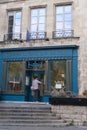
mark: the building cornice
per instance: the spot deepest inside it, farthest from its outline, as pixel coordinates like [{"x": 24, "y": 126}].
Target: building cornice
[
  {"x": 40, "y": 48},
  {"x": 10, "y": 1}
]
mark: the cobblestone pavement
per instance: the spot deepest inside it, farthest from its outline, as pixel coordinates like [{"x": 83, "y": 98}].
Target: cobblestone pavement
[{"x": 42, "y": 128}]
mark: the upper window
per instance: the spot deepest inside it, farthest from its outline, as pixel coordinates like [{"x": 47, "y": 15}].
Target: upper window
[
  {"x": 14, "y": 25},
  {"x": 38, "y": 23},
  {"x": 63, "y": 21}
]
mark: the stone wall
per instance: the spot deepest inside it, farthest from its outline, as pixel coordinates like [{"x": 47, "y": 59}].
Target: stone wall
[
  {"x": 79, "y": 25},
  {"x": 76, "y": 115},
  {"x": 33, "y": 43}
]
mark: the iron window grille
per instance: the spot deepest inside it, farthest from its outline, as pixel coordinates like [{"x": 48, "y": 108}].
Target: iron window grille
[
  {"x": 37, "y": 35},
  {"x": 12, "y": 36},
  {"x": 63, "y": 34}
]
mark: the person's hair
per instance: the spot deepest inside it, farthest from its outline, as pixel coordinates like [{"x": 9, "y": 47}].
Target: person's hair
[{"x": 35, "y": 76}]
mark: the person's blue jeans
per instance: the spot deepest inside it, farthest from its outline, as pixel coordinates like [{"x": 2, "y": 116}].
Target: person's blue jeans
[{"x": 36, "y": 95}]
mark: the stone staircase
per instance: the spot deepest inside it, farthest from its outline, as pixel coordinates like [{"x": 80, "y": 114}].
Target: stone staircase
[{"x": 28, "y": 114}]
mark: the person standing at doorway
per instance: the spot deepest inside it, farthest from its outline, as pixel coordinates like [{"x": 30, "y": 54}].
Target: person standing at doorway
[{"x": 35, "y": 85}]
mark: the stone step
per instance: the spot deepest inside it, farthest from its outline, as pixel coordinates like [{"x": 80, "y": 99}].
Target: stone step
[
  {"x": 28, "y": 114},
  {"x": 29, "y": 111},
  {"x": 28, "y": 117},
  {"x": 26, "y": 111},
  {"x": 36, "y": 124},
  {"x": 24, "y": 104},
  {"x": 30, "y": 121},
  {"x": 27, "y": 108},
  {"x": 25, "y": 114}
]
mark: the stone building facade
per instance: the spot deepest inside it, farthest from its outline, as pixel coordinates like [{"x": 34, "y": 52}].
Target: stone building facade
[{"x": 65, "y": 28}]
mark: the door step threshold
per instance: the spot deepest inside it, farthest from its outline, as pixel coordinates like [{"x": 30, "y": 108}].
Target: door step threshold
[{"x": 18, "y": 102}]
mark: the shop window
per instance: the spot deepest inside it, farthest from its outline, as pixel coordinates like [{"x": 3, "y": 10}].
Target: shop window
[
  {"x": 13, "y": 77},
  {"x": 60, "y": 77}
]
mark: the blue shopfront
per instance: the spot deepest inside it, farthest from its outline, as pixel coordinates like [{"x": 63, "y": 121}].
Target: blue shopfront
[{"x": 55, "y": 66}]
